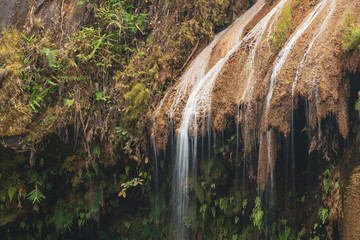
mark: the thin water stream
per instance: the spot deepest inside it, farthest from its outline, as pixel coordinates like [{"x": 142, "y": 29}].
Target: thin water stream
[{"x": 198, "y": 104}]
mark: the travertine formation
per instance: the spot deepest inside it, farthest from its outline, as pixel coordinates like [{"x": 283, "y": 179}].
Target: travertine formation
[{"x": 239, "y": 76}]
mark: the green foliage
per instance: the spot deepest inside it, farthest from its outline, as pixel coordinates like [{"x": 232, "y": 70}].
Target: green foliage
[
  {"x": 50, "y": 55},
  {"x": 11, "y": 192},
  {"x": 100, "y": 86},
  {"x": 137, "y": 100},
  {"x": 323, "y": 214},
  {"x": 301, "y": 234},
  {"x": 283, "y": 28},
  {"x": 35, "y": 196},
  {"x": 257, "y": 215},
  {"x": 132, "y": 183},
  {"x": 35, "y": 98},
  {"x": 351, "y": 35},
  {"x": 68, "y": 102},
  {"x": 97, "y": 151},
  {"x": 62, "y": 218}
]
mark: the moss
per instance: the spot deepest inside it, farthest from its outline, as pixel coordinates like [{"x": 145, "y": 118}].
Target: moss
[
  {"x": 113, "y": 77},
  {"x": 351, "y": 35},
  {"x": 283, "y": 28}
]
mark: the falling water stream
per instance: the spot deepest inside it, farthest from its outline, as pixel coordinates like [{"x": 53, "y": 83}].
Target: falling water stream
[
  {"x": 197, "y": 84},
  {"x": 198, "y": 102},
  {"x": 323, "y": 26},
  {"x": 279, "y": 62}
]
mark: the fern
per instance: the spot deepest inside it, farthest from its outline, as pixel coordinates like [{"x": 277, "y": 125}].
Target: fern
[
  {"x": 35, "y": 196},
  {"x": 63, "y": 219},
  {"x": 50, "y": 55},
  {"x": 36, "y": 98}
]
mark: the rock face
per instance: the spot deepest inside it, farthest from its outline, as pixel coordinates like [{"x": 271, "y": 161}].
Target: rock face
[
  {"x": 50, "y": 21},
  {"x": 260, "y": 86},
  {"x": 13, "y": 12},
  {"x": 351, "y": 209},
  {"x": 59, "y": 18}
]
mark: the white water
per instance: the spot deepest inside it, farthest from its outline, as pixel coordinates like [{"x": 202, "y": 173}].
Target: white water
[
  {"x": 255, "y": 36},
  {"x": 322, "y": 28},
  {"x": 197, "y": 84},
  {"x": 199, "y": 102},
  {"x": 279, "y": 62},
  {"x": 284, "y": 53}
]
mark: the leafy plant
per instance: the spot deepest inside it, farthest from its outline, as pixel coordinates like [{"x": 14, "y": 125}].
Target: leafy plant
[
  {"x": 351, "y": 35},
  {"x": 257, "y": 215},
  {"x": 35, "y": 195},
  {"x": 323, "y": 214},
  {"x": 50, "y": 55},
  {"x": 132, "y": 183},
  {"x": 62, "y": 218},
  {"x": 283, "y": 28},
  {"x": 35, "y": 98},
  {"x": 11, "y": 192}
]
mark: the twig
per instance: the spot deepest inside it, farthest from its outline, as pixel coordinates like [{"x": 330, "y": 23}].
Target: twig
[
  {"x": 139, "y": 29},
  {"x": 62, "y": 21}
]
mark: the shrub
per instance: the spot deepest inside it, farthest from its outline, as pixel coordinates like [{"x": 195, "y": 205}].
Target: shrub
[{"x": 351, "y": 35}]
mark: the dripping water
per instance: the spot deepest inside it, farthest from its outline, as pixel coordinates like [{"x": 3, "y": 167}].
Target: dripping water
[
  {"x": 199, "y": 101},
  {"x": 279, "y": 62}
]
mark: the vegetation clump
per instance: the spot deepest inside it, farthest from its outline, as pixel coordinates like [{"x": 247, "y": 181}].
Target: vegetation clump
[
  {"x": 283, "y": 29},
  {"x": 351, "y": 35},
  {"x": 75, "y": 115}
]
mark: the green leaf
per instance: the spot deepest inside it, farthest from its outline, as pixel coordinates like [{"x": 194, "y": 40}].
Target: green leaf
[
  {"x": 22, "y": 224},
  {"x": 99, "y": 96},
  {"x": 323, "y": 214},
  {"x": 97, "y": 151},
  {"x": 213, "y": 211},
  {"x": 68, "y": 102},
  {"x": 80, "y": 3},
  {"x": 223, "y": 204},
  {"x": 127, "y": 169},
  {"x": 35, "y": 196},
  {"x": 11, "y": 192},
  {"x": 127, "y": 224},
  {"x": 236, "y": 219},
  {"x": 244, "y": 204},
  {"x": 356, "y": 106},
  {"x": 315, "y": 226},
  {"x": 327, "y": 185},
  {"x": 50, "y": 55}
]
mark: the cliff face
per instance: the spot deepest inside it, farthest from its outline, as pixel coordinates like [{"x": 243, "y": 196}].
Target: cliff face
[
  {"x": 60, "y": 18},
  {"x": 80, "y": 80},
  {"x": 13, "y": 12},
  {"x": 77, "y": 79},
  {"x": 256, "y": 74},
  {"x": 260, "y": 83}
]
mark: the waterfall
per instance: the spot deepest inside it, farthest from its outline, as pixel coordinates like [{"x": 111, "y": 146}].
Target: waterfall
[
  {"x": 191, "y": 102},
  {"x": 279, "y": 62},
  {"x": 199, "y": 102}
]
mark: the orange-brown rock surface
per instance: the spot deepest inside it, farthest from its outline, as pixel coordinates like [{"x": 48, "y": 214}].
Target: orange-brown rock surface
[{"x": 267, "y": 84}]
